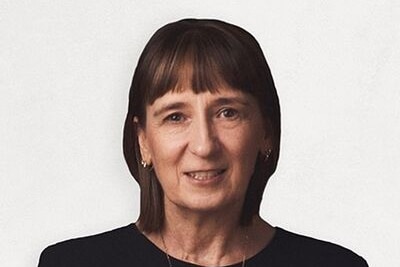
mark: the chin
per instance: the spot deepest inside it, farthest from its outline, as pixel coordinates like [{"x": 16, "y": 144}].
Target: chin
[{"x": 209, "y": 204}]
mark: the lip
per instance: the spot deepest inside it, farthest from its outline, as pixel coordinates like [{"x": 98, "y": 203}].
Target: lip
[{"x": 205, "y": 176}]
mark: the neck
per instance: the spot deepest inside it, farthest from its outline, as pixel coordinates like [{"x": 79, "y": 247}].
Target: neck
[
  {"x": 210, "y": 238},
  {"x": 204, "y": 224},
  {"x": 205, "y": 238}
]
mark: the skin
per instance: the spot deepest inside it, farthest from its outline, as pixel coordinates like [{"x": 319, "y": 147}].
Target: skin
[{"x": 203, "y": 148}]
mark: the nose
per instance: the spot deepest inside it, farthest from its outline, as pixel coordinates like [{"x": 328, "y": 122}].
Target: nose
[{"x": 204, "y": 141}]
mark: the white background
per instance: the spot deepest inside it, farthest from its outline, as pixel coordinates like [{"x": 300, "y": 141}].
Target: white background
[{"x": 65, "y": 72}]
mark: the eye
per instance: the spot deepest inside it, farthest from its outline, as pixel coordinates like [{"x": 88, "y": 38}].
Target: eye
[
  {"x": 229, "y": 113},
  {"x": 174, "y": 118}
]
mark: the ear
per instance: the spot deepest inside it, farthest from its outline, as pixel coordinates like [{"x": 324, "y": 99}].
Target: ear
[
  {"x": 143, "y": 143},
  {"x": 266, "y": 144},
  {"x": 267, "y": 141}
]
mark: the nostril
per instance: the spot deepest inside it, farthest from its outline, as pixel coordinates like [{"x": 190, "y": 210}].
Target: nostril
[{"x": 205, "y": 147}]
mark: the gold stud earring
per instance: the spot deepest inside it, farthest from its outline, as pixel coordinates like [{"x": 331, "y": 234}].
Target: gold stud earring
[
  {"x": 144, "y": 164},
  {"x": 267, "y": 153}
]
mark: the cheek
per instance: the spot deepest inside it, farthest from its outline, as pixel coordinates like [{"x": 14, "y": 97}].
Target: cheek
[
  {"x": 243, "y": 148},
  {"x": 244, "y": 143},
  {"x": 166, "y": 151}
]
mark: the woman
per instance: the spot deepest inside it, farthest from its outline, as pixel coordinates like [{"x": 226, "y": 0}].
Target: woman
[{"x": 202, "y": 138}]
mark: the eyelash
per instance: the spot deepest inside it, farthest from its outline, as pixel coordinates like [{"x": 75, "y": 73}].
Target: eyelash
[
  {"x": 230, "y": 110},
  {"x": 172, "y": 118},
  {"x": 177, "y": 117}
]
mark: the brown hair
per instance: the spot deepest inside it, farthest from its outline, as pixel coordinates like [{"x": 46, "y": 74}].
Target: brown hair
[{"x": 217, "y": 53}]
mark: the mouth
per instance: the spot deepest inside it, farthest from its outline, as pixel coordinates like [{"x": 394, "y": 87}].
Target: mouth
[{"x": 206, "y": 175}]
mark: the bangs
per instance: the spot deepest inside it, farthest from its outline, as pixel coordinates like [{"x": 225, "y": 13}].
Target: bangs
[{"x": 203, "y": 60}]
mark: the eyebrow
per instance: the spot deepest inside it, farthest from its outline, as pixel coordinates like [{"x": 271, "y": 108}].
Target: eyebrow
[
  {"x": 231, "y": 100},
  {"x": 217, "y": 102}
]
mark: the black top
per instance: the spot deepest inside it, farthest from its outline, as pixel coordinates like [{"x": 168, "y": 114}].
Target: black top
[{"x": 127, "y": 247}]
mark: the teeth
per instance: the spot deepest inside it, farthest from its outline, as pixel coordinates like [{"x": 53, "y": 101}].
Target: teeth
[{"x": 204, "y": 175}]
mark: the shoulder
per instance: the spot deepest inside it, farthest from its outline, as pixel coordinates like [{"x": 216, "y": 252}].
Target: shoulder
[
  {"x": 306, "y": 251},
  {"x": 102, "y": 249}
]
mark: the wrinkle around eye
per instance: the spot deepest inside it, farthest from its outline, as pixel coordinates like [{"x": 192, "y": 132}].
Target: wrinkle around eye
[
  {"x": 229, "y": 113},
  {"x": 174, "y": 118}
]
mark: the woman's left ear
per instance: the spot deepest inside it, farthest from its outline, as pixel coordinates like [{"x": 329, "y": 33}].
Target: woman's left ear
[{"x": 266, "y": 144}]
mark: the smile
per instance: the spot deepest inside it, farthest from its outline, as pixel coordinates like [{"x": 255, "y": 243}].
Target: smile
[{"x": 205, "y": 175}]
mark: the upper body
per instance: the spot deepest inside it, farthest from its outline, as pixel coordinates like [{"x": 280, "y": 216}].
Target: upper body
[
  {"x": 128, "y": 247},
  {"x": 202, "y": 138}
]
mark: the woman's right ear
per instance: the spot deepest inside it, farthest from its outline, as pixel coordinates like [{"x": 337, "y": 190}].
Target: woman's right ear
[{"x": 143, "y": 145}]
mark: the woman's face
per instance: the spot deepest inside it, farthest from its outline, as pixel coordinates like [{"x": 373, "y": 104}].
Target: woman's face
[{"x": 203, "y": 147}]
